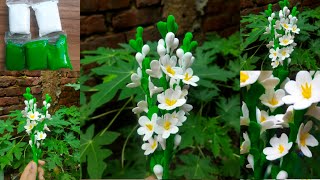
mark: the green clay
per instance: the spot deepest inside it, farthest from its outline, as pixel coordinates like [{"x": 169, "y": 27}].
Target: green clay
[
  {"x": 36, "y": 54},
  {"x": 15, "y": 58},
  {"x": 58, "y": 54}
]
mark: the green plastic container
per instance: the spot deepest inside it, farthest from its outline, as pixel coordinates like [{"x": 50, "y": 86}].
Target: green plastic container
[
  {"x": 37, "y": 54},
  {"x": 15, "y": 56},
  {"x": 58, "y": 56}
]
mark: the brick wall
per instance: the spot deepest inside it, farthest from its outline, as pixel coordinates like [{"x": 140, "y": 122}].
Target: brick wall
[
  {"x": 257, "y": 6},
  {"x": 109, "y": 22},
  {"x": 13, "y": 85}
]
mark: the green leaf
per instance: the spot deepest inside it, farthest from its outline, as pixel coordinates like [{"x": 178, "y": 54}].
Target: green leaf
[
  {"x": 93, "y": 153},
  {"x": 6, "y": 126}
]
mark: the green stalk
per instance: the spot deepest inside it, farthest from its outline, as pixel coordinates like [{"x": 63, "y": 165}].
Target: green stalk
[{"x": 167, "y": 156}]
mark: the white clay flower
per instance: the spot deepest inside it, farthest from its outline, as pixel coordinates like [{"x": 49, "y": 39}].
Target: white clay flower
[
  {"x": 29, "y": 126},
  {"x": 245, "y": 146},
  {"x": 248, "y": 77},
  {"x": 155, "y": 70},
  {"x": 170, "y": 99},
  {"x": 304, "y": 139},
  {"x": 154, "y": 89},
  {"x": 189, "y": 78},
  {"x": 302, "y": 92},
  {"x": 142, "y": 106},
  {"x": 244, "y": 119},
  {"x": 250, "y": 161},
  {"x": 282, "y": 175},
  {"x": 149, "y": 146},
  {"x": 40, "y": 136},
  {"x": 141, "y": 56},
  {"x": 158, "y": 171},
  {"x": 279, "y": 147},
  {"x": 136, "y": 79},
  {"x": 33, "y": 115},
  {"x": 166, "y": 126},
  {"x": 180, "y": 115},
  {"x": 273, "y": 99},
  {"x": 177, "y": 141},
  {"x": 274, "y": 53},
  {"x": 168, "y": 66},
  {"x": 147, "y": 126}
]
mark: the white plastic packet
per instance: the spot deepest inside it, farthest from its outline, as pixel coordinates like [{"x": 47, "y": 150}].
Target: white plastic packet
[
  {"x": 47, "y": 15},
  {"x": 19, "y": 16}
]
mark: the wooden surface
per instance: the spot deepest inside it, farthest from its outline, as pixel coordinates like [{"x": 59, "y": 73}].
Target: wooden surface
[{"x": 70, "y": 19}]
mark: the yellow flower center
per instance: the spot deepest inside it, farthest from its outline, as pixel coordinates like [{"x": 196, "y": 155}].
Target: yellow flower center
[
  {"x": 30, "y": 126},
  {"x": 283, "y": 53},
  {"x": 154, "y": 145},
  {"x": 263, "y": 119},
  {"x": 167, "y": 125},
  {"x": 32, "y": 116},
  {"x": 170, "y": 102},
  {"x": 187, "y": 77},
  {"x": 273, "y": 101},
  {"x": 294, "y": 29},
  {"x": 285, "y": 41},
  {"x": 41, "y": 135},
  {"x": 306, "y": 90},
  {"x": 281, "y": 149},
  {"x": 275, "y": 54},
  {"x": 285, "y": 26},
  {"x": 243, "y": 76},
  {"x": 303, "y": 138},
  {"x": 241, "y": 147},
  {"x": 170, "y": 70},
  {"x": 149, "y": 126}
]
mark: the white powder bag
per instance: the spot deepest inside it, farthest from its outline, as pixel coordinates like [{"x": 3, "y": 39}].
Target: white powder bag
[
  {"x": 48, "y": 18},
  {"x": 19, "y": 18}
]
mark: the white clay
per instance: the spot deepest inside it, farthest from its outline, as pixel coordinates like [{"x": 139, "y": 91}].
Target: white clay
[
  {"x": 48, "y": 18},
  {"x": 19, "y": 18}
]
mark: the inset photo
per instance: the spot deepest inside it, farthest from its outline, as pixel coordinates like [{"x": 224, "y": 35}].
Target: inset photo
[
  {"x": 40, "y": 35},
  {"x": 39, "y": 125},
  {"x": 280, "y": 125},
  {"x": 282, "y": 35}
]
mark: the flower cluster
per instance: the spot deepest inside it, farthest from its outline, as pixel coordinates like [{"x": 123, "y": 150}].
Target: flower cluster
[
  {"x": 36, "y": 125},
  {"x": 290, "y": 104},
  {"x": 283, "y": 31},
  {"x": 175, "y": 66},
  {"x": 165, "y": 82}
]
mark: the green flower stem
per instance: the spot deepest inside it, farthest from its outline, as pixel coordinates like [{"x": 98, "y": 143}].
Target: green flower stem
[
  {"x": 167, "y": 156},
  {"x": 34, "y": 149}
]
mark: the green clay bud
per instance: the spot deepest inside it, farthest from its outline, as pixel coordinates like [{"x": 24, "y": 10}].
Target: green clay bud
[
  {"x": 162, "y": 27},
  {"x": 133, "y": 44},
  {"x": 294, "y": 11},
  {"x": 139, "y": 44},
  {"x": 193, "y": 45},
  {"x": 139, "y": 32},
  {"x": 15, "y": 57},
  {"x": 170, "y": 23},
  {"x": 175, "y": 28},
  {"x": 37, "y": 54}
]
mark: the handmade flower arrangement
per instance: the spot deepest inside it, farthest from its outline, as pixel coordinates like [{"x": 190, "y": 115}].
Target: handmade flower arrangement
[
  {"x": 36, "y": 122},
  {"x": 282, "y": 29},
  {"x": 279, "y": 123},
  {"x": 165, "y": 82}
]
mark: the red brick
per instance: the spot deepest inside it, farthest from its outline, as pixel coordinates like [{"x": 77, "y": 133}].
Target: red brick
[
  {"x": 150, "y": 33},
  {"x": 145, "y": 3},
  {"x": 64, "y": 80},
  {"x": 229, "y": 31},
  {"x": 103, "y": 41},
  {"x": 7, "y": 110},
  {"x": 32, "y": 73},
  {"x": 5, "y": 101},
  {"x": 246, "y": 4},
  {"x": 88, "y": 5},
  {"x": 112, "y": 4},
  {"x": 7, "y": 81},
  {"x": 28, "y": 81},
  {"x": 265, "y": 2},
  {"x": 92, "y": 24},
  {"x": 3, "y": 117},
  {"x": 136, "y": 17},
  {"x": 215, "y": 23},
  {"x": 214, "y": 7},
  {"x": 12, "y": 91},
  {"x": 70, "y": 74},
  {"x": 10, "y": 73},
  {"x": 36, "y": 90}
]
